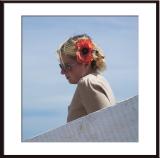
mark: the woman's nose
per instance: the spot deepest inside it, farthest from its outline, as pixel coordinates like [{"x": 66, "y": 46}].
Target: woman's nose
[{"x": 62, "y": 72}]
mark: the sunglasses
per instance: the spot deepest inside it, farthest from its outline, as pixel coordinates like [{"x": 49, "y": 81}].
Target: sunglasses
[{"x": 67, "y": 67}]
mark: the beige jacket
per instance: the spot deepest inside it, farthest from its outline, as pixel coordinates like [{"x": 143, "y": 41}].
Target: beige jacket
[{"x": 93, "y": 92}]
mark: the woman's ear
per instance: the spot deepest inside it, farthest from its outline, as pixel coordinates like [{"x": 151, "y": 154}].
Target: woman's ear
[{"x": 86, "y": 65}]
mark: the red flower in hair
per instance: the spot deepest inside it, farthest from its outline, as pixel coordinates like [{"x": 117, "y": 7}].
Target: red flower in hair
[{"x": 84, "y": 51}]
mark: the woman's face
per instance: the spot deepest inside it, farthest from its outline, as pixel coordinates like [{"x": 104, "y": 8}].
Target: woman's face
[{"x": 72, "y": 70}]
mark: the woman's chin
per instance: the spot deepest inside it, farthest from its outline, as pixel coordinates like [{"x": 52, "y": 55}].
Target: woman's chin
[{"x": 72, "y": 82}]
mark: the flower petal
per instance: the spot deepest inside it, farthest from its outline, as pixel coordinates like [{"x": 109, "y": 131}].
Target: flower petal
[{"x": 83, "y": 57}]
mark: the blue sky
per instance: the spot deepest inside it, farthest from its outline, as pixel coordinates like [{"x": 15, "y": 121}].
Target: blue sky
[{"x": 46, "y": 93}]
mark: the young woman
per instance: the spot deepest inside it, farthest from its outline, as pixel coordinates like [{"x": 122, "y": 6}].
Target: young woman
[{"x": 81, "y": 61}]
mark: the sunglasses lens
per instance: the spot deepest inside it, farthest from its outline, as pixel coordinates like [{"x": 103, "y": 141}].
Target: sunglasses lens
[
  {"x": 60, "y": 65},
  {"x": 66, "y": 67}
]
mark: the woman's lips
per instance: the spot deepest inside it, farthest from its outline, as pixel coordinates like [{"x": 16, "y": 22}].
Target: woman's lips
[{"x": 67, "y": 77}]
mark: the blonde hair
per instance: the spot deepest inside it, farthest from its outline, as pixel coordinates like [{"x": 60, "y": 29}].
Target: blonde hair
[{"x": 69, "y": 48}]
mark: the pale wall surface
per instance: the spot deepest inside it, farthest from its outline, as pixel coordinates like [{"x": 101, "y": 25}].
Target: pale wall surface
[{"x": 118, "y": 123}]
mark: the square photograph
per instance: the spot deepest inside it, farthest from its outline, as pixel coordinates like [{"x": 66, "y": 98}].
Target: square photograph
[{"x": 79, "y": 78}]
